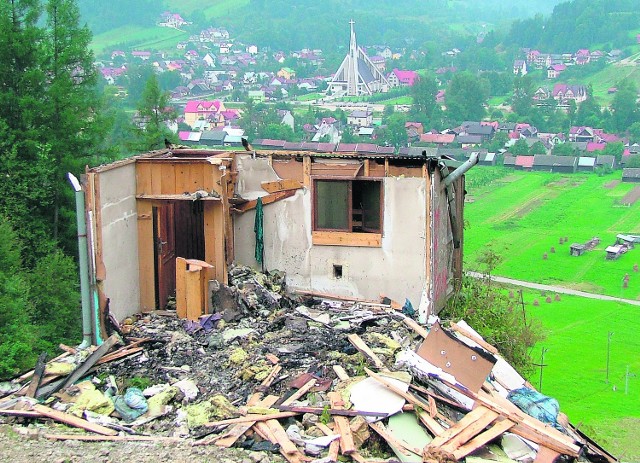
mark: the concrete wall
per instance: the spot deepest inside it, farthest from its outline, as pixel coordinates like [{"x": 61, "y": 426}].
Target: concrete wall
[
  {"x": 396, "y": 269},
  {"x": 120, "y": 239}
]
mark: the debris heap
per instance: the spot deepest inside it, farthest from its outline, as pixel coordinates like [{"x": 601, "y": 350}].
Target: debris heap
[{"x": 312, "y": 377}]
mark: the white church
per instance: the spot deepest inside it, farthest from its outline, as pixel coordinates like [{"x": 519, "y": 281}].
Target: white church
[{"x": 357, "y": 75}]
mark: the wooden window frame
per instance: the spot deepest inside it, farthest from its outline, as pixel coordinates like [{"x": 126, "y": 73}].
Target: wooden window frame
[{"x": 346, "y": 237}]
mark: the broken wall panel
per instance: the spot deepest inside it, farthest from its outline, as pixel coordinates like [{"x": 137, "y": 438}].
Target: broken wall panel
[
  {"x": 442, "y": 255},
  {"x": 396, "y": 268},
  {"x": 175, "y": 177},
  {"x": 398, "y": 171},
  {"x": 116, "y": 206},
  {"x": 289, "y": 168}
]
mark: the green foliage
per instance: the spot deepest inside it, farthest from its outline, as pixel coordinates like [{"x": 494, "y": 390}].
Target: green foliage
[
  {"x": 153, "y": 111},
  {"x": 497, "y": 318},
  {"x": 55, "y": 296},
  {"x": 16, "y": 333},
  {"x": 325, "y": 417},
  {"x": 520, "y": 148},
  {"x": 564, "y": 149},
  {"x": 140, "y": 382},
  {"x": 465, "y": 98}
]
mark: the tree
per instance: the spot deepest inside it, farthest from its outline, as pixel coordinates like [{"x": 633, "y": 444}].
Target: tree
[
  {"x": 154, "y": 111},
  {"x": 614, "y": 149},
  {"x": 624, "y": 107},
  {"x": 395, "y": 133},
  {"x": 563, "y": 149},
  {"x": 71, "y": 105},
  {"x": 424, "y": 95},
  {"x": 498, "y": 142},
  {"x": 522, "y": 95},
  {"x": 520, "y": 147},
  {"x": 634, "y": 132},
  {"x": 465, "y": 98},
  {"x": 537, "y": 148}
]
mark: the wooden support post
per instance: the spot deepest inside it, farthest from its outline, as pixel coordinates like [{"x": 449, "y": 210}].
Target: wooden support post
[
  {"x": 181, "y": 287},
  {"x": 306, "y": 171},
  {"x": 347, "y": 445},
  {"x": 37, "y": 375}
]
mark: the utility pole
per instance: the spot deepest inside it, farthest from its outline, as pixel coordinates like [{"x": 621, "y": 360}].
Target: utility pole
[
  {"x": 608, "y": 352},
  {"x": 626, "y": 380},
  {"x": 541, "y": 365}
]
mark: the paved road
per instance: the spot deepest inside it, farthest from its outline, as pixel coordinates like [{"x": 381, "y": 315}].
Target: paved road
[{"x": 556, "y": 289}]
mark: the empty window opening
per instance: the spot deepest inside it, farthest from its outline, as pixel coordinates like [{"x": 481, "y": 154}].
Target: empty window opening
[
  {"x": 348, "y": 205},
  {"x": 337, "y": 271}
]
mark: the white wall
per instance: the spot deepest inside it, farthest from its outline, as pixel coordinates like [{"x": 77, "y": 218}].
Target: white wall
[
  {"x": 396, "y": 269},
  {"x": 120, "y": 239}
]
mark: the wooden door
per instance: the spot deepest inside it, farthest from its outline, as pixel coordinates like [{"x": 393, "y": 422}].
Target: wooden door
[{"x": 165, "y": 241}]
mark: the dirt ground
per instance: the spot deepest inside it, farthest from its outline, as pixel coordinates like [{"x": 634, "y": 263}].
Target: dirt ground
[{"x": 17, "y": 446}]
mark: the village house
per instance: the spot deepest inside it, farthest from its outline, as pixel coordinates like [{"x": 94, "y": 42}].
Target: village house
[
  {"x": 204, "y": 110},
  {"x": 360, "y": 117},
  {"x": 520, "y": 67},
  {"x": 401, "y": 78},
  {"x": 352, "y": 224}
]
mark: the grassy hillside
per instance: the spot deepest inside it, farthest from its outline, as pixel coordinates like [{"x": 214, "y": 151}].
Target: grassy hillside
[
  {"x": 612, "y": 75},
  {"x": 523, "y": 215},
  {"x": 137, "y": 38},
  {"x": 576, "y": 359}
]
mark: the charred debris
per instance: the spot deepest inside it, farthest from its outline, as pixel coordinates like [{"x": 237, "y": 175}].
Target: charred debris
[{"x": 309, "y": 376}]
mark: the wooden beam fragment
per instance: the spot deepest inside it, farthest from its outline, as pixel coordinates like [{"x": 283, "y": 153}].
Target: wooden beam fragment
[
  {"x": 252, "y": 418},
  {"x": 347, "y": 445},
  {"x": 268, "y": 199},
  {"x": 481, "y": 439},
  {"x": 234, "y": 433},
  {"x": 341, "y": 373},
  {"x": 92, "y": 438},
  {"x": 300, "y": 392},
  {"x": 399, "y": 445},
  {"x": 38, "y": 372},
  {"x": 281, "y": 185},
  {"x": 364, "y": 349},
  {"x": 73, "y": 420}
]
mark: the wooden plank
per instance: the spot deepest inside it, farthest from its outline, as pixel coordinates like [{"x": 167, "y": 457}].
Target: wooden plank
[
  {"x": 415, "y": 326},
  {"x": 146, "y": 258},
  {"x": 252, "y": 418},
  {"x": 408, "y": 397},
  {"x": 268, "y": 199},
  {"x": 281, "y": 185},
  {"x": 306, "y": 170},
  {"x": 481, "y": 439},
  {"x": 143, "y": 179},
  {"x": 281, "y": 437},
  {"x": 193, "y": 292},
  {"x": 73, "y": 420},
  {"x": 181, "y": 287},
  {"x": 471, "y": 420},
  {"x": 546, "y": 455},
  {"x": 300, "y": 392},
  {"x": 91, "y": 438},
  {"x": 334, "y": 238},
  {"x": 234, "y": 433},
  {"x": 330, "y": 411},
  {"x": 168, "y": 178},
  {"x": 430, "y": 423},
  {"x": 197, "y": 174},
  {"x": 398, "y": 444},
  {"x": 347, "y": 445},
  {"x": 470, "y": 431},
  {"x": 364, "y": 349},
  {"x": 183, "y": 183},
  {"x": 474, "y": 338},
  {"x": 156, "y": 179},
  {"x": 38, "y": 372},
  {"x": 337, "y": 297},
  {"x": 22, "y": 413},
  {"x": 367, "y": 167},
  {"x": 342, "y": 374}
]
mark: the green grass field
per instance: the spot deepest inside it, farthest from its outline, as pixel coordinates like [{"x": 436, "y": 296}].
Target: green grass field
[
  {"x": 139, "y": 38},
  {"x": 523, "y": 215},
  {"x": 576, "y": 375}
]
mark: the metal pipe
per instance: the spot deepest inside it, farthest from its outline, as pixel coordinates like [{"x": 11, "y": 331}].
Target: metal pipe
[
  {"x": 87, "y": 335},
  {"x": 459, "y": 172}
]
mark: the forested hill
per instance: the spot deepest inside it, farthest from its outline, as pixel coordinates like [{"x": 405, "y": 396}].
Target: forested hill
[
  {"x": 579, "y": 24},
  {"x": 310, "y": 23}
]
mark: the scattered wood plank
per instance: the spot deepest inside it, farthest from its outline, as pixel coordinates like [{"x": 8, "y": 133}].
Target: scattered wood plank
[
  {"x": 234, "y": 433},
  {"x": 73, "y": 420},
  {"x": 330, "y": 411},
  {"x": 481, "y": 439},
  {"x": 408, "y": 397},
  {"x": 287, "y": 447},
  {"x": 252, "y": 418},
  {"x": 430, "y": 423},
  {"x": 474, "y": 338},
  {"x": 300, "y": 392},
  {"x": 268, "y": 199},
  {"x": 347, "y": 445},
  {"x": 338, "y": 298},
  {"x": 21, "y": 413},
  {"x": 474, "y": 421},
  {"x": 82, "y": 369},
  {"x": 398, "y": 444},
  {"x": 341, "y": 373},
  {"x": 91, "y": 438},
  {"x": 38, "y": 371},
  {"x": 29, "y": 374},
  {"x": 281, "y": 185},
  {"x": 364, "y": 349}
]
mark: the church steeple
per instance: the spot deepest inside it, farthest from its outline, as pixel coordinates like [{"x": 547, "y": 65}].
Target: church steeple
[{"x": 357, "y": 75}]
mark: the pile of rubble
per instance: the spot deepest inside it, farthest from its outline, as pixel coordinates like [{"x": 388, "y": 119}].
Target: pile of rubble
[{"x": 272, "y": 372}]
